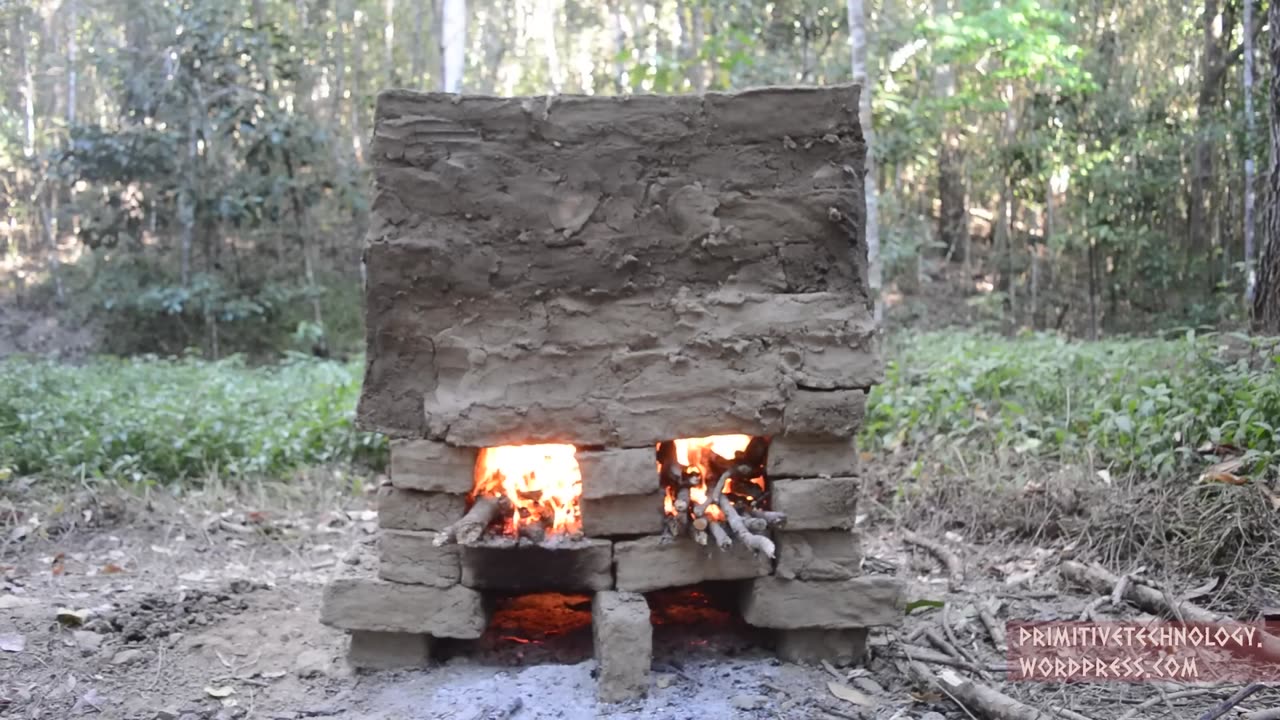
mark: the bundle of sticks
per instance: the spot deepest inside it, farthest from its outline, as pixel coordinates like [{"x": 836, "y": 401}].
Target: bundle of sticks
[
  {"x": 733, "y": 506},
  {"x": 490, "y": 512}
]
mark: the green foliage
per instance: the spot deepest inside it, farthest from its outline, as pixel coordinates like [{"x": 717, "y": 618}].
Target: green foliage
[
  {"x": 1146, "y": 404},
  {"x": 140, "y": 307},
  {"x": 147, "y": 419}
]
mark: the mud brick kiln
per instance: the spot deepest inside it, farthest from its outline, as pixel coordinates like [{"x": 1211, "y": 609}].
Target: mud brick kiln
[{"x": 620, "y": 345}]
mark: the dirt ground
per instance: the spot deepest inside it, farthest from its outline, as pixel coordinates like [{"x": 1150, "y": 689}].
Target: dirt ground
[{"x": 142, "y": 606}]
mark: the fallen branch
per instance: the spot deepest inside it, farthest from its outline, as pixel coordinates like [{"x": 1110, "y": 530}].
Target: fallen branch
[
  {"x": 1068, "y": 713},
  {"x": 975, "y": 697},
  {"x": 1268, "y": 714},
  {"x": 933, "y": 657},
  {"x": 994, "y": 628},
  {"x": 955, "y": 570},
  {"x": 955, "y": 642},
  {"x": 1098, "y": 579},
  {"x": 472, "y": 525},
  {"x": 1236, "y": 698},
  {"x": 950, "y": 650}
]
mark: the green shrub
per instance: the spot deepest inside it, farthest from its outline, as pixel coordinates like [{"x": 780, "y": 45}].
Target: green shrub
[
  {"x": 152, "y": 419},
  {"x": 1147, "y": 404}
]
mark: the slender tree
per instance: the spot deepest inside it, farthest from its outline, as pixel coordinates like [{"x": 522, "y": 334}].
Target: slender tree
[
  {"x": 453, "y": 48},
  {"x": 1249, "y": 274},
  {"x": 1266, "y": 303},
  {"x": 858, "y": 36}
]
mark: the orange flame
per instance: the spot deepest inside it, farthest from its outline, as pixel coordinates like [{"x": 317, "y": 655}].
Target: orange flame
[
  {"x": 542, "y": 482},
  {"x": 696, "y": 453}
]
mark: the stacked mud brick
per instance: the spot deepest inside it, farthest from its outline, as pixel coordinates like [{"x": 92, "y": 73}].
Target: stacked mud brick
[{"x": 612, "y": 273}]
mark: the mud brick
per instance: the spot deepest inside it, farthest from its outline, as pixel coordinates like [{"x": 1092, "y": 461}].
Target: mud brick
[
  {"x": 623, "y": 515},
  {"x": 811, "y": 647},
  {"x": 864, "y": 601},
  {"x": 649, "y": 564},
  {"x": 432, "y": 466},
  {"x": 405, "y": 556},
  {"x": 819, "y": 554},
  {"x": 632, "y": 471},
  {"x": 521, "y": 567},
  {"x": 355, "y": 599},
  {"x": 817, "y": 503},
  {"x": 414, "y": 510},
  {"x": 793, "y": 457},
  {"x": 371, "y": 650},
  {"x": 623, "y": 640},
  {"x": 834, "y": 414}
]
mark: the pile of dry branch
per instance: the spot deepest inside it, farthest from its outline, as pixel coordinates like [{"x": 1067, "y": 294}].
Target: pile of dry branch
[{"x": 733, "y": 507}]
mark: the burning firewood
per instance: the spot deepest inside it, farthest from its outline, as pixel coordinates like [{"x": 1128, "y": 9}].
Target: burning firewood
[
  {"x": 774, "y": 519},
  {"x": 472, "y": 525},
  {"x": 733, "y": 489},
  {"x": 721, "y": 537},
  {"x": 758, "y": 543}
]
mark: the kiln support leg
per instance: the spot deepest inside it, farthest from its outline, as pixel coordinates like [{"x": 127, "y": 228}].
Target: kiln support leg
[
  {"x": 623, "y": 645},
  {"x": 371, "y": 650},
  {"x": 811, "y": 647}
]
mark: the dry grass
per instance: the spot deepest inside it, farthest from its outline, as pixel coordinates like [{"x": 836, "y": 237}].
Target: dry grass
[
  {"x": 1182, "y": 531},
  {"x": 1196, "y": 531}
]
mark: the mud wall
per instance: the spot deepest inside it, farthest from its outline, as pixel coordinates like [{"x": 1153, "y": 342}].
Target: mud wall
[{"x": 616, "y": 271}]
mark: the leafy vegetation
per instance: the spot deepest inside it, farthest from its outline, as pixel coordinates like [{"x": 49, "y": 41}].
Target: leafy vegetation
[
  {"x": 147, "y": 419},
  {"x": 1144, "y": 404},
  {"x": 1087, "y": 159}
]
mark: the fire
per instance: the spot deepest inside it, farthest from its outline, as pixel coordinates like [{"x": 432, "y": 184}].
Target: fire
[
  {"x": 696, "y": 454},
  {"x": 542, "y": 482}
]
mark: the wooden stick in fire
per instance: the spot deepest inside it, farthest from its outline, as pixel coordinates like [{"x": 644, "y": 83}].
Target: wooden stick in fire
[
  {"x": 714, "y": 494},
  {"x": 722, "y": 538},
  {"x": 758, "y": 543},
  {"x": 773, "y": 518},
  {"x": 472, "y": 525}
]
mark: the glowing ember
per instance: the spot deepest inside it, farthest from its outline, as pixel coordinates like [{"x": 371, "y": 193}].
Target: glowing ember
[{"x": 541, "y": 481}]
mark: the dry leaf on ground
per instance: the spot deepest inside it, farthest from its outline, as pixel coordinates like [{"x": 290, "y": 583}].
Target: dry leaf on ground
[
  {"x": 220, "y": 692},
  {"x": 848, "y": 694}
]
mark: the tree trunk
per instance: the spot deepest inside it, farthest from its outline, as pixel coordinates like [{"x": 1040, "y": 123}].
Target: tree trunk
[
  {"x": 357, "y": 80},
  {"x": 1200, "y": 217},
  {"x": 453, "y": 49},
  {"x": 29, "y": 94},
  {"x": 1004, "y": 213},
  {"x": 858, "y": 33},
  {"x": 73, "y": 20},
  {"x": 619, "y": 44},
  {"x": 389, "y": 41},
  {"x": 1266, "y": 302},
  {"x": 1093, "y": 290},
  {"x": 339, "y": 64},
  {"x": 550, "y": 13},
  {"x": 417, "y": 56},
  {"x": 951, "y": 210},
  {"x": 1249, "y": 275},
  {"x": 698, "y": 71}
]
